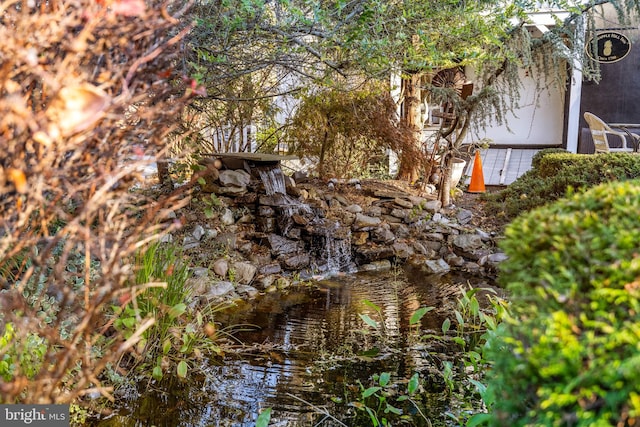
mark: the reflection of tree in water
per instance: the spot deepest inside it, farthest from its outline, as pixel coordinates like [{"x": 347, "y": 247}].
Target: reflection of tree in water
[{"x": 306, "y": 347}]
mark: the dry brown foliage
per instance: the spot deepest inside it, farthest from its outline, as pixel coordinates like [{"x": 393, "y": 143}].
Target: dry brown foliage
[
  {"x": 349, "y": 129},
  {"x": 87, "y": 90}
]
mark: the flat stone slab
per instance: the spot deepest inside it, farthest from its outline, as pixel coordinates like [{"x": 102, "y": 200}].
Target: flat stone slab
[{"x": 254, "y": 157}]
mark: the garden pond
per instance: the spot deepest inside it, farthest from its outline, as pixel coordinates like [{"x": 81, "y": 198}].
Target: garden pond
[{"x": 337, "y": 351}]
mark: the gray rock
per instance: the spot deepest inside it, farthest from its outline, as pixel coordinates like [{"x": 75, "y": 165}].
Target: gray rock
[
  {"x": 228, "y": 239},
  {"x": 382, "y": 235},
  {"x": 227, "y": 217},
  {"x": 200, "y": 272},
  {"x": 198, "y": 232},
  {"x": 403, "y": 203},
  {"x": 374, "y": 211},
  {"x": 402, "y": 250},
  {"x": 365, "y": 222},
  {"x": 400, "y": 230},
  {"x": 497, "y": 257},
  {"x": 434, "y": 237},
  {"x": 354, "y": 209},
  {"x": 221, "y": 267},
  {"x": 297, "y": 262},
  {"x": 391, "y": 219},
  {"x": 247, "y": 290},
  {"x": 399, "y": 213},
  {"x": 166, "y": 238},
  {"x": 464, "y": 216},
  {"x": 472, "y": 267},
  {"x": 190, "y": 242},
  {"x": 220, "y": 289},
  {"x": 244, "y": 272},
  {"x": 340, "y": 198},
  {"x": 368, "y": 253},
  {"x": 467, "y": 242},
  {"x": 438, "y": 266},
  {"x": 271, "y": 268},
  {"x": 417, "y": 201},
  {"x": 419, "y": 247},
  {"x": 231, "y": 190},
  {"x": 234, "y": 178},
  {"x": 381, "y": 265},
  {"x": 486, "y": 237},
  {"x": 264, "y": 282},
  {"x": 432, "y": 206},
  {"x": 455, "y": 260}
]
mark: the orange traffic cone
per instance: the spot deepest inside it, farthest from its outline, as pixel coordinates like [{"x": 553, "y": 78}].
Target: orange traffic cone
[{"x": 477, "y": 177}]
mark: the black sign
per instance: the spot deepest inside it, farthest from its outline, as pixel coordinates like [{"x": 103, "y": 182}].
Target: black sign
[{"x": 608, "y": 47}]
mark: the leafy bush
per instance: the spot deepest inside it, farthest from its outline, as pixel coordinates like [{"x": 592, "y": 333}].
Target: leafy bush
[
  {"x": 348, "y": 131},
  {"x": 570, "y": 352},
  {"x": 174, "y": 333},
  {"x": 555, "y": 173}
]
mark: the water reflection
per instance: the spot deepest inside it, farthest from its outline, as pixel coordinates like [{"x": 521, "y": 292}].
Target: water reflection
[{"x": 309, "y": 349}]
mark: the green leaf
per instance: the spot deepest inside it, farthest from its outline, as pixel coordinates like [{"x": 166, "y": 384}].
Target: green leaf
[
  {"x": 414, "y": 382},
  {"x": 475, "y": 306},
  {"x": 129, "y": 322},
  {"x": 264, "y": 418},
  {"x": 372, "y": 416},
  {"x": 392, "y": 409},
  {"x": 385, "y": 377},
  {"x": 478, "y": 419},
  {"x": 372, "y": 352},
  {"x": 459, "y": 318},
  {"x": 419, "y": 314},
  {"x": 371, "y": 390},
  {"x": 157, "y": 373},
  {"x": 372, "y": 305},
  {"x": 177, "y": 310},
  {"x": 479, "y": 386},
  {"x": 202, "y": 181},
  {"x": 446, "y": 325},
  {"x": 369, "y": 321},
  {"x": 182, "y": 369},
  {"x": 166, "y": 346}
]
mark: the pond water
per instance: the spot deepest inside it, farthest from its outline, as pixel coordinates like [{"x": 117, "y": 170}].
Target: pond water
[{"x": 308, "y": 350}]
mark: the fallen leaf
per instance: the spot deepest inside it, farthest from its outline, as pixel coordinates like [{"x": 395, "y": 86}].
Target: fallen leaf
[
  {"x": 19, "y": 180},
  {"x": 77, "y": 108}
]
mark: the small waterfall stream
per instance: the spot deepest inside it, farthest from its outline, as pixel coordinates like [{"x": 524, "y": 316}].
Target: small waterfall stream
[
  {"x": 331, "y": 246},
  {"x": 272, "y": 179}
]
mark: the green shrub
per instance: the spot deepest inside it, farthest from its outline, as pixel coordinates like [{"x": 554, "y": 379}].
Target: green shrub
[
  {"x": 554, "y": 174},
  {"x": 569, "y": 355},
  {"x": 535, "y": 160}
]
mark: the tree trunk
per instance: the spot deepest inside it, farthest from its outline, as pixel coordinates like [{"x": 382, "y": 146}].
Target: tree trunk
[
  {"x": 410, "y": 163},
  {"x": 164, "y": 177},
  {"x": 445, "y": 180}
]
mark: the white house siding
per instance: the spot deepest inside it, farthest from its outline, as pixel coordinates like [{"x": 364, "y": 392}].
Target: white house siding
[{"x": 538, "y": 120}]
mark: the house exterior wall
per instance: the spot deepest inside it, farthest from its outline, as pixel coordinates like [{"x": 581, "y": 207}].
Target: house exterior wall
[{"x": 538, "y": 121}]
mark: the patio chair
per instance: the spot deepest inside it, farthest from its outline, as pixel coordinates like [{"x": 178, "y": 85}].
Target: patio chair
[{"x": 600, "y": 132}]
